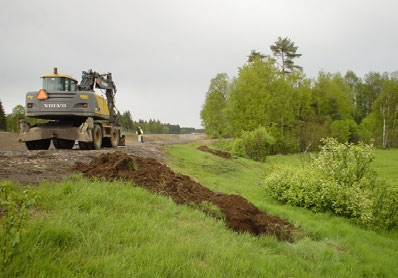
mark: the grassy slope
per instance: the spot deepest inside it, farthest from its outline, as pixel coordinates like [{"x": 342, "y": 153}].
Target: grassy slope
[
  {"x": 99, "y": 229},
  {"x": 386, "y": 163},
  {"x": 365, "y": 252}
]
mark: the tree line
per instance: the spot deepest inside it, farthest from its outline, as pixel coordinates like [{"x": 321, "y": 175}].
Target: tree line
[
  {"x": 10, "y": 123},
  {"x": 152, "y": 126},
  {"x": 271, "y": 92}
]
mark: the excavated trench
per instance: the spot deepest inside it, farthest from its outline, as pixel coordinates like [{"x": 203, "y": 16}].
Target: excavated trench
[{"x": 239, "y": 214}]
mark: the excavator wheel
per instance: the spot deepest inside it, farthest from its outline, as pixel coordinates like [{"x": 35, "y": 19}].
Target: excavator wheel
[
  {"x": 63, "y": 143},
  {"x": 85, "y": 145},
  {"x": 115, "y": 138},
  {"x": 97, "y": 137},
  {"x": 42, "y": 144},
  {"x": 97, "y": 140},
  {"x": 113, "y": 141}
]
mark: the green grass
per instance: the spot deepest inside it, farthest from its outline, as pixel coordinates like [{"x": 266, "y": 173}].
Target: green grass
[
  {"x": 386, "y": 164},
  {"x": 103, "y": 229},
  {"x": 86, "y": 228},
  {"x": 321, "y": 231}
]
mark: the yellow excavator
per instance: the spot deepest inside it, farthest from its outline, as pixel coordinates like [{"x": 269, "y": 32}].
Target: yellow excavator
[{"x": 84, "y": 113}]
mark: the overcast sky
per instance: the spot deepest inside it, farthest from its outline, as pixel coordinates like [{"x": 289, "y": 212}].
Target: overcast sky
[{"x": 163, "y": 53}]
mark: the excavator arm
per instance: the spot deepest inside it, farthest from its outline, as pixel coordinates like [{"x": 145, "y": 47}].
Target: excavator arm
[{"x": 92, "y": 80}]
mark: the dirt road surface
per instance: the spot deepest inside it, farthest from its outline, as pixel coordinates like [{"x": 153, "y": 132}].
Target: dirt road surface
[
  {"x": 23, "y": 166},
  {"x": 148, "y": 171}
]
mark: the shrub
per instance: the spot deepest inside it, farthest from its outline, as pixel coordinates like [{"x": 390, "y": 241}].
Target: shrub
[
  {"x": 14, "y": 210},
  {"x": 257, "y": 143},
  {"x": 345, "y": 130},
  {"x": 340, "y": 180},
  {"x": 299, "y": 188},
  {"x": 385, "y": 206},
  {"x": 251, "y": 144},
  {"x": 233, "y": 146},
  {"x": 345, "y": 163}
]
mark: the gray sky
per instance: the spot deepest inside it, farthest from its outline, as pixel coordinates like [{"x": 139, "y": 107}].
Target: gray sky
[{"x": 162, "y": 54}]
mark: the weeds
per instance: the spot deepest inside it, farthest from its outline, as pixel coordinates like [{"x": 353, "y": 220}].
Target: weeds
[
  {"x": 211, "y": 210},
  {"x": 14, "y": 210}
]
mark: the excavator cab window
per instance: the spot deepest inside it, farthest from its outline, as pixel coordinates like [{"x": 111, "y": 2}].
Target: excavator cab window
[
  {"x": 59, "y": 84},
  {"x": 73, "y": 85}
]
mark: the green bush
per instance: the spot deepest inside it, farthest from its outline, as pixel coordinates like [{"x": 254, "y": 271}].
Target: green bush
[
  {"x": 345, "y": 130},
  {"x": 236, "y": 147},
  {"x": 257, "y": 143},
  {"x": 340, "y": 180},
  {"x": 385, "y": 206},
  {"x": 345, "y": 163},
  {"x": 304, "y": 187},
  {"x": 251, "y": 144},
  {"x": 14, "y": 210},
  {"x": 299, "y": 188}
]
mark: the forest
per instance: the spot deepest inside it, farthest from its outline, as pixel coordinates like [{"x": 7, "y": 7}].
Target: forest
[{"x": 272, "y": 93}]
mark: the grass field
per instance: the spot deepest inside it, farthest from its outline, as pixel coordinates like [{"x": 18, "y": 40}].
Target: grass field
[
  {"x": 83, "y": 228},
  {"x": 386, "y": 163}
]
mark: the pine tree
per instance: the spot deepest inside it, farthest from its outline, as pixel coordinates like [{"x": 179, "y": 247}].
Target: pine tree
[
  {"x": 3, "y": 121},
  {"x": 255, "y": 55},
  {"x": 285, "y": 51}
]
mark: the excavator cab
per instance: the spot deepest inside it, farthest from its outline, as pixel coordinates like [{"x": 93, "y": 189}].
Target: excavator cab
[{"x": 58, "y": 82}]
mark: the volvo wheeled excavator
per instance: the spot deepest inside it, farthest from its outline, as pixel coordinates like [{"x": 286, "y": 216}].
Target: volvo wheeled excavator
[{"x": 71, "y": 112}]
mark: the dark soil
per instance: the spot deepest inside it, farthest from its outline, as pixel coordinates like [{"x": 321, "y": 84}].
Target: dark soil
[
  {"x": 239, "y": 214},
  {"x": 215, "y": 152}
]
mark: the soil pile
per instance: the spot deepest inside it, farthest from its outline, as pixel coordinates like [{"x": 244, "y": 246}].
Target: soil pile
[
  {"x": 239, "y": 214},
  {"x": 215, "y": 152}
]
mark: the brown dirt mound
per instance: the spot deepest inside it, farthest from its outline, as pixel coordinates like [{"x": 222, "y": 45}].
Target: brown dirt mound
[
  {"x": 215, "y": 152},
  {"x": 239, "y": 214}
]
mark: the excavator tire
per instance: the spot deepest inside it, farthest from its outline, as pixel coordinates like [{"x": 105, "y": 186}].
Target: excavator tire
[
  {"x": 85, "y": 145},
  {"x": 112, "y": 141},
  {"x": 97, "y": 140},
  {"x": 42, "y": 144},
  {"x": 63, "y": 143},
  {"x": 115, "y": 138},
  {"x": 97, "y": 137}
]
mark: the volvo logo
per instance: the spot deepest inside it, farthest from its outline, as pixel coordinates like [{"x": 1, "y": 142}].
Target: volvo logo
[{"x": 54, "y": 105}]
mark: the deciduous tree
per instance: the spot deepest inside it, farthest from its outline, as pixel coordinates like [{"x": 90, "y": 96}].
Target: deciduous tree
[
  {"x": 18, "y": 112},
  {"x": 386, "y": 110},
  {"x": 249, "y": 101},
  {"x": 355, "y": 84},
  {"x": 213, "y": 110},
  {"x": 333, "y": 97},
  {"x": 369, "y": 92}
]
